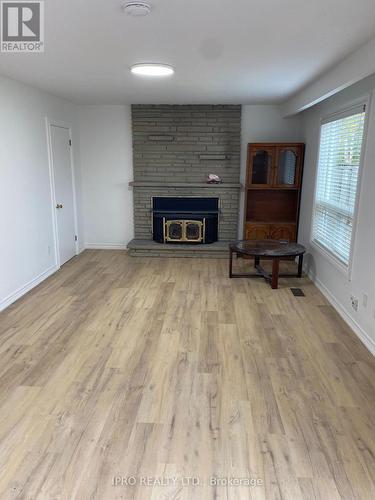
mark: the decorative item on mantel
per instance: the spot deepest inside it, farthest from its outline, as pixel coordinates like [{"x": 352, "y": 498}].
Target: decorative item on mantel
[{"x": 213, "y": 179}]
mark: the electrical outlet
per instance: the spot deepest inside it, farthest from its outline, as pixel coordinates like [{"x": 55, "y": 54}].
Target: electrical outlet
[
  {"x": 354, "y": 302},
  {"x": 364, "y": 300}
]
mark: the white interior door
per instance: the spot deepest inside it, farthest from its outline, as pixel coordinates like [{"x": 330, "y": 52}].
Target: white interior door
[{"x": 62, "y": 169}]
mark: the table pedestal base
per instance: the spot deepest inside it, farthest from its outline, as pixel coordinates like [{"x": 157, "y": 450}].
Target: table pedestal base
[{"x": 271, "y": 278}]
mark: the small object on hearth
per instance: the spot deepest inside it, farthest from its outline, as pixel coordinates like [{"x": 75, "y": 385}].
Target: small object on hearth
[{"x": 213, "y": 179}]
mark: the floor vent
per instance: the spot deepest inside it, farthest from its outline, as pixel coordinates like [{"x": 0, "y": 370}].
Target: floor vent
[{"x": 297, "y": 292}]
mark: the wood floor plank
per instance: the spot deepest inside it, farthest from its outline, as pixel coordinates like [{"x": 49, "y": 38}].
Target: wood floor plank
[{"x": 166, "y": 371}]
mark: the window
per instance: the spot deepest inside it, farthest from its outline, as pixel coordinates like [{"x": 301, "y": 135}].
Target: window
[{"x": 337, "y": 182}]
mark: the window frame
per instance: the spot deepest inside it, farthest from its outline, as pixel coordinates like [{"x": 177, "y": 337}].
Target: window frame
[{"x": 337, "y": 114}]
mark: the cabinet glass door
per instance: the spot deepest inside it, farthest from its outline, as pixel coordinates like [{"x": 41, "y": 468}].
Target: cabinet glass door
[
  {"x": 261, "y": 168},
  {"x": 287, "y": 168}
]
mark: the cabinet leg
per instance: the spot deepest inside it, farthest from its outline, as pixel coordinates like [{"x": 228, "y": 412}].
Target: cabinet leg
[
  {"x": 256, "y": 261},
  {"x": 230, "y": 263},
  {"x": 275, "y": 273}
]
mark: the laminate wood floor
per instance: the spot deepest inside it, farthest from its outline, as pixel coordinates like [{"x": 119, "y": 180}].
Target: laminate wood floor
[{"x": 136, "y": 370}]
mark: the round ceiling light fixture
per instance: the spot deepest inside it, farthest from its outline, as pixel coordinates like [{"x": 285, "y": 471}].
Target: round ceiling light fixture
[
  {"x": 152, "y": 69},
  {"x": 136, "y": 9}
]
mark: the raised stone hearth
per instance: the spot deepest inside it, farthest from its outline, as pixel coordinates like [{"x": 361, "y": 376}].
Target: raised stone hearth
[
  {"x": 142, "y": 248},
  {"x": 174, "y": 149}
]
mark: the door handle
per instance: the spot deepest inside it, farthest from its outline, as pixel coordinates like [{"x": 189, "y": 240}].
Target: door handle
[{"x": 59, "y": 206}]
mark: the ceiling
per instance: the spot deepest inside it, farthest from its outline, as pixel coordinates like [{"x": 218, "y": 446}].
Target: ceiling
[{"x": 233, "y": 51}]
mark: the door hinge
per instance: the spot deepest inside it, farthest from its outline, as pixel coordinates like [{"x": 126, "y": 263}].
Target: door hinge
[
  {"x": 75, "y": 238},
  {"x": 70, "y": 142}
]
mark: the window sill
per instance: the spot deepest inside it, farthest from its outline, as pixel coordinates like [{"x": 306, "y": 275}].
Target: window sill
[{"x": 342, "y": 268}]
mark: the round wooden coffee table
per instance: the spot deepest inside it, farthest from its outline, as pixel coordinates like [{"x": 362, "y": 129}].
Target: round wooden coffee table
[{"x": 269, "y": 249}]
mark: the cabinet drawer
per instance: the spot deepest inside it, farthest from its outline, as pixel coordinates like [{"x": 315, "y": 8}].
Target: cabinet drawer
[
  {"x": 257, "y": 231},
  {"x": 283, "y": 232}
]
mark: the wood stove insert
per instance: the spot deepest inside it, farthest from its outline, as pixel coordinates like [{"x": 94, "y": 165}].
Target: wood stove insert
[{"x": 185, "y": 220}]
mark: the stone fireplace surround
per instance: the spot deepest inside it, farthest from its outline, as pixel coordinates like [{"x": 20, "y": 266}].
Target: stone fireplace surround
[{"x": 174, "y": 148}]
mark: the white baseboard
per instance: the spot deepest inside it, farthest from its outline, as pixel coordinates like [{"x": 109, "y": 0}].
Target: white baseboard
[
  {"x": 27, "y": 287},
  {"x": 357, "y": 329},
  {"x": 105, "y": 246}
]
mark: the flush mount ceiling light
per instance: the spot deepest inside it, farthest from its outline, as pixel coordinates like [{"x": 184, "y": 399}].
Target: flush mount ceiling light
[
  {"x": 136, "y": 9},
  {"x": 152, "y": 69}
]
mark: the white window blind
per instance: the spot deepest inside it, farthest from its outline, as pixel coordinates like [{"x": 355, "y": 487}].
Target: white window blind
[{"x": 337, "y": 181}]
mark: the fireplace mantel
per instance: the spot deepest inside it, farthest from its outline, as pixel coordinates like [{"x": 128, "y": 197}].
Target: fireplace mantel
[{"x": 163, "y": 184}]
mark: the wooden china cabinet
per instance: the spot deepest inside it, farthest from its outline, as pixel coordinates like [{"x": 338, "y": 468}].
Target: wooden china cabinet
[{"x": 273, "y": 191}]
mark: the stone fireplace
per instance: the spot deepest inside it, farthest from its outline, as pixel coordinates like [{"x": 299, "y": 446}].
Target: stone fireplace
[{"x": 174, "y": 149}]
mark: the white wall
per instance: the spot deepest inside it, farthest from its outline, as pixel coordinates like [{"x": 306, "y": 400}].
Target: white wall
[
  {"x": 354, "y": 68},
  {"x": 264, "y": 123},
  {"x": 106, "y": 165},
  {"x": 26, "y": 232},
  {"x": 336, "y": 285}
]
